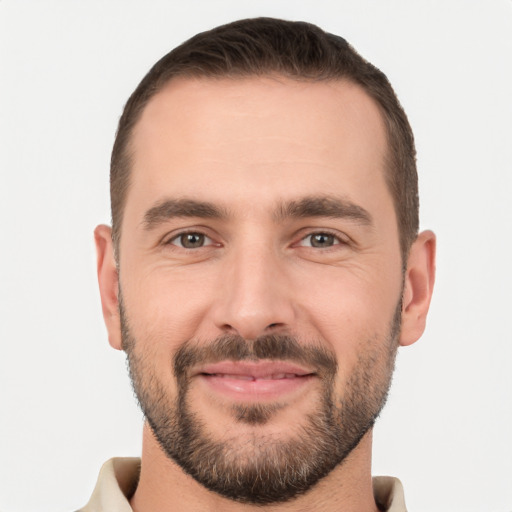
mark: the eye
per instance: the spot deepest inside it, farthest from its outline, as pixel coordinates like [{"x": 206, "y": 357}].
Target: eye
[
  {"x": 191, "y": 240},
  {"x": 320, "y": 240}
]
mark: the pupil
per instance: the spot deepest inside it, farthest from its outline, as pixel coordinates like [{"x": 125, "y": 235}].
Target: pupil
[
  {"x": 322, "y": 240},
  {"x": 192, "y": 240}
]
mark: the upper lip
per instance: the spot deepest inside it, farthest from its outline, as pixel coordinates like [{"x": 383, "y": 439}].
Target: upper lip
[{"x": 257, "y": 370}]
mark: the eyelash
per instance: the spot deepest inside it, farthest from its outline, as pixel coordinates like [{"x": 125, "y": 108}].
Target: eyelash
[
  {"x": 338, "y": 240},
  {"x": 185, "y": 233}
]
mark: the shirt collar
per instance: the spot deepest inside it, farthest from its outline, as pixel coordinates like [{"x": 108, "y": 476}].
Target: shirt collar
[{"x": 118, "y": 480}]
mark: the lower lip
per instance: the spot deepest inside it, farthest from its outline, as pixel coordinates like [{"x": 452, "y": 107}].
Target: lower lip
[{"x": 258, "y": 389}]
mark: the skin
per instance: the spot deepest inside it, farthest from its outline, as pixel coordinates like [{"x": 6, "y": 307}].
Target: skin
[{"x": 248, "y": 146}]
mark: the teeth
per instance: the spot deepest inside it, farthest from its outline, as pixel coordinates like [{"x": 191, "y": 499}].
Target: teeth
[
  {"x": 238, "y": 377},
  {"x": 276, "y": 376}
]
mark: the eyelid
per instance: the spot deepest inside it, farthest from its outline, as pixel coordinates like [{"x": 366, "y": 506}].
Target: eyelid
[
  {"x": 341, "y": 238},
  {"x": 169, "y": 238}
]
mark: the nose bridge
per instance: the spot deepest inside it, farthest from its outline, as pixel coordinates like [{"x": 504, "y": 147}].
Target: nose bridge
[{"x": 254, "y": 294}]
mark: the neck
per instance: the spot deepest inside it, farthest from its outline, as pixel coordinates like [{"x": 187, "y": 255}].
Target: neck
[{"x": 164, "y": 486}]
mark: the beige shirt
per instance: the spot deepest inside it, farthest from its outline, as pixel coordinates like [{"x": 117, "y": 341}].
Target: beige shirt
[{"x": 118, "y": 479}]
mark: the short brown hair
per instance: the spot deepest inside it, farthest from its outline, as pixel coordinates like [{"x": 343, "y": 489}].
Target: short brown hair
[{"x": 297, "y": 50}]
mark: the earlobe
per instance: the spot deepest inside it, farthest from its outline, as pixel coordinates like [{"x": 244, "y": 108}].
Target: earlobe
[
  {"x": 108, "y": 280},
  {"x": 418, "y": 287}
]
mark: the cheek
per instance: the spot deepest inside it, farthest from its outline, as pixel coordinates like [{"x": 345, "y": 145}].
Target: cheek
[
  {"x": 350, "y": 310},
  {"x": 165, "y": 306}
]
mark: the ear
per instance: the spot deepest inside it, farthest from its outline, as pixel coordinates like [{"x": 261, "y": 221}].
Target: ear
[
  {"x": 418, "y": 286},
  {"x": 108, "y": 280}
]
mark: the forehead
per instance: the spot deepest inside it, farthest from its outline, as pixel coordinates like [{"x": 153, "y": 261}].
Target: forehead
[{"x": 258, "y": 139}]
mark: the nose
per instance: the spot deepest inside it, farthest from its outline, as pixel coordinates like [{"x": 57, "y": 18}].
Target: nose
[{"x": 254, "y": 294}]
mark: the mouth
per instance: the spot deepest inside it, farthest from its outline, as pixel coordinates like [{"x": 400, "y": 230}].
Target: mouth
[{"x": 242, "y": 380}]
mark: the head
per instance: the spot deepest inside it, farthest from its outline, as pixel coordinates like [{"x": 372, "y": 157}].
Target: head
[{"x": 264, "y": 264}]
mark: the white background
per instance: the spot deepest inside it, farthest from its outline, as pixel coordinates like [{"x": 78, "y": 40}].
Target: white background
[{"x": 66, "y": 69}]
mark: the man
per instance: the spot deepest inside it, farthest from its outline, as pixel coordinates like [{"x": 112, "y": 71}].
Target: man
[{"x": 263, "y": 266}]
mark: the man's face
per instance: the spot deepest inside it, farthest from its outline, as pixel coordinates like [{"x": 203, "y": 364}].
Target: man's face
[{"x": 261, "y": 277}]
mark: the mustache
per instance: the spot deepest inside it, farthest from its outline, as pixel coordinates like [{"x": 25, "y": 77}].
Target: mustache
[{"x": 274, "y": 347}]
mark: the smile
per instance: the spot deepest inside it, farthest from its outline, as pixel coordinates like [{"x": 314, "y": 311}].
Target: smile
[
  {"x": 277, "y": 376},
  {"x": 244, "y": 381}
]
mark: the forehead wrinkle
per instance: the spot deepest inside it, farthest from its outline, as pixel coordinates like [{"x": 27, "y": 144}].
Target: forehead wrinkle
[{"x": 322, "y": 206}]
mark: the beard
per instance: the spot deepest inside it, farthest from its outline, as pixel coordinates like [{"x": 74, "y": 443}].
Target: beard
[{"x": 264, "y": 469}]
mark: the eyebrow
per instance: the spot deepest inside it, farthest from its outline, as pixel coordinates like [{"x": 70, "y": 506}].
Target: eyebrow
[
  {"x": 311, "y": 206},
  {"x": 174, "y": 208},
  {"x": 323, "y": 206}
]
